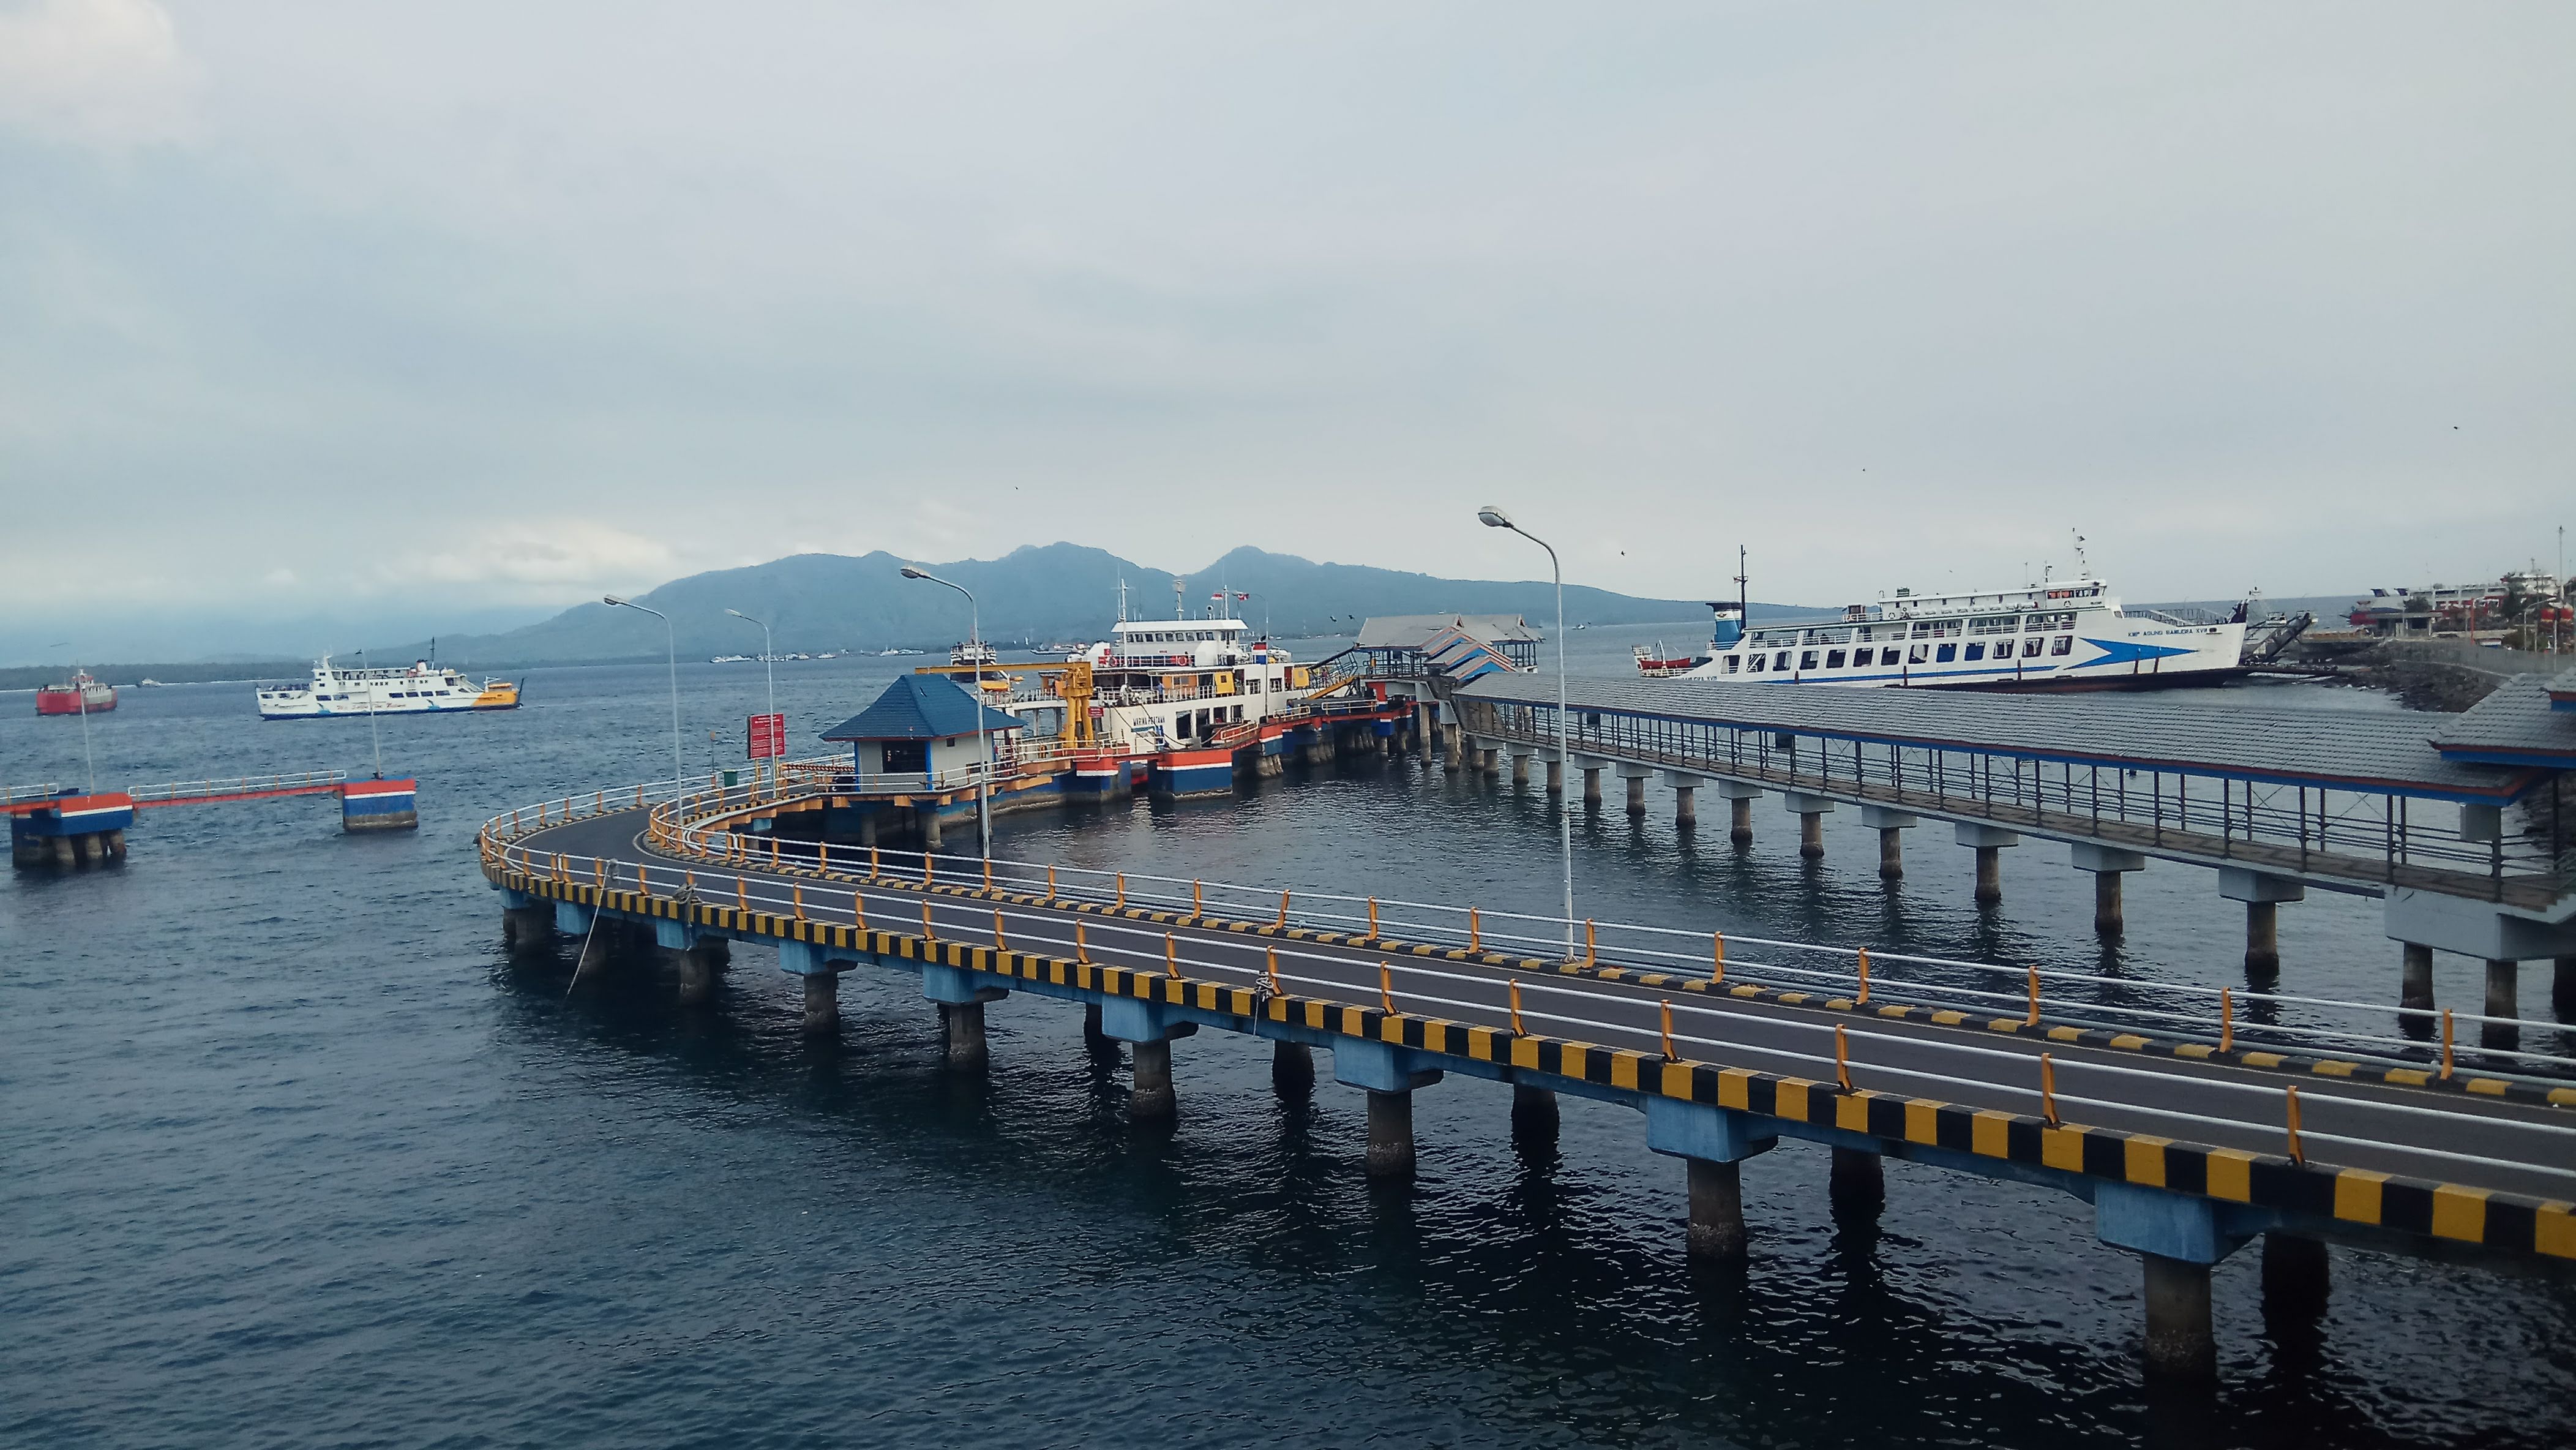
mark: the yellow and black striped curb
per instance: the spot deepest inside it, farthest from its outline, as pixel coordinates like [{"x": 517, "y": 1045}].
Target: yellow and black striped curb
[{"x": 2346, "y": 1195}]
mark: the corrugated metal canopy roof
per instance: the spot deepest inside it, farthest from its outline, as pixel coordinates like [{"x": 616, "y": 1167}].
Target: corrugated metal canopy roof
[
  {"x": 2516, "y": 724},
  {"x": 2346, "y": 749},
  {"x": 1409, "y": 631},
  {"x": 921, "y": 707}
]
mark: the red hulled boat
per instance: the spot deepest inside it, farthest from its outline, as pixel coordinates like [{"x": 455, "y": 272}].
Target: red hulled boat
[{"x": 79, "y": 695}]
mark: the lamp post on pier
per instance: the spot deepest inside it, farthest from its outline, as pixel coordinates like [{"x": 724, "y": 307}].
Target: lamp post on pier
[
  {"x": 768, "y": 658},
  {"x": 1494, "y": 518},
  {"x": 983, "y": 737},
  {"x": 671, "y": 646}
]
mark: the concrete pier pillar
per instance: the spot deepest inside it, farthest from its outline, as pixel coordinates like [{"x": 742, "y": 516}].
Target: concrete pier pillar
[
  {"x": 1095, "y": 1041},
  {"x": 1990, "y": 875},
  {"x": 2180, "y": 1344},
  {"x": 1450, "y": 748},
  {"x": 929, "y": 827},
  {"x": 1686, "y": 807},
  {"x": 2108, "y": 917},
  {"x": 1492, "y": 765},
  {"x": 2562, "y": 988},
  {"x": 114, "y": 842},
  {"x": 1150, "y": 1092},
  {"x": 1520, "y": 769},
  {"x": 1857, "y": 1183},
  {"x": 961, "y": 1025},
  {"x": 822, "y": 1004},
  {"x": 2262, "y": 937},
  {"x": 2415, "y": 978},
  {"x": 1556, "y": 777},
  {"x": 64, "y": 857},
  {"x": 697, "y": 965},
  {"x": 87, "y": 847},
  {"x": 2504, "y": 999},
  {"x": 526, "y": 927},
  {"x": 867, "y": 828},
  {"x": 1636, "y": 795},
  {"x": 1739, "y": 827},
  {"x": 1716, "y": 1208},
  {"x": 1811, "y": 835},
  {"x": 594, "y": 950},
  {"x": 1292, "y": 1068},
  {"x": 1533, "y": 1112},
  {"x": 1592, "y": 787},
  {"x": 1390, "y": 1132},
  {"x": 2295, "y": 1278},
  {"x": 1891, "y": 854}
]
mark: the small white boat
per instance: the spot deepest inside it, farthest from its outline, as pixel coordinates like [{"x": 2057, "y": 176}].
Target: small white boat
[{"x": 421, "y": 689}]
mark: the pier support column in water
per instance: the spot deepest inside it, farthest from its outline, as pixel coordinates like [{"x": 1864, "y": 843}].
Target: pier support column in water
[
  {"x": 1988, "y": 843},
  {"x": 2176, "y": 1237},
  {"x": 1451, "y": 750},
  {"x": 1636, "y": 795},
  {"x": 1556, "y": 777},
  {"x": 867, "y": 827},
  {"x": 1739, "y": 798},
  {"x": 697, "y": 966},
  {"x": 929, "y": 826},
  {"x": 1390, "y": 1133},
  {"x": 1095, "y": 1041},
  {"x": 1149, "y": 1095},
  {"x": 2504, "y": 999},
  {"x": 961, "y": 1029},
  {"x": 1292, "y": 1069},
  {"x": 1520, "y": 767},
  {"x": 2415, "y": 978},
  {"x": 1711, "y": 1142},
  {"x": 2107, "y": 864},
  {"x": 1592, "y": 787},
  {"x": 822, "y": 1004},
  {"x": 1810, "y": 811},
  {"x": 2262, "y": 894},
  {"x": 526, "y": 923},
  {"x": 1533, "y": 1113},
  {"x": 1891, "y": 826},
  {"x": 2296, "y": 1278},
  {"x": 1685, "y": 799},
  {"x": 1857, "y": 1183}
]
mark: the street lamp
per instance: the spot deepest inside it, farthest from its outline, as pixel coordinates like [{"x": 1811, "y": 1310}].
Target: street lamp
[
  {"x": 671, "y": 643},
  {"x": 983, "y": 738},
  {"x": 1494, "y": 518},
  {"x": 80, "y": 699},
  {"x": 767, "y": 662}
]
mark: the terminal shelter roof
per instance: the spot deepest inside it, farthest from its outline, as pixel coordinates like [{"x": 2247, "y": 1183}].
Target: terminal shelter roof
[
  {"x": 2519, "y": 723},
  {"x": 1412, "y": 631},
  {"x": 2361, "y": 750},
  {"x": 921, "y": 707}
]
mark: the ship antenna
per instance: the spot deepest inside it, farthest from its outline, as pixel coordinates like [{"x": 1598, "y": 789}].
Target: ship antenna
[{"x": 372, "y": 742}]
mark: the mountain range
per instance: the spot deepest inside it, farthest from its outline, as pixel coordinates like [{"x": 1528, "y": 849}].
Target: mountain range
[{"x": 1040, "y": 593}]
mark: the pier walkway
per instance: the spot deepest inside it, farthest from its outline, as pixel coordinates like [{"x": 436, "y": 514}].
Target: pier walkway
[{"x": 2187, "y": 1142}]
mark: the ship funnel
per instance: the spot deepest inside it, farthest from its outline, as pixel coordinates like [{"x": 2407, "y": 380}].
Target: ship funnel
[{"x": 1730, "y": 623}]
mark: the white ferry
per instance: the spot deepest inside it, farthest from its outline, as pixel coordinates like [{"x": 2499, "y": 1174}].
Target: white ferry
[
  {"x": 423, "y": 688},
  {"x": 2065, "y": 635}
]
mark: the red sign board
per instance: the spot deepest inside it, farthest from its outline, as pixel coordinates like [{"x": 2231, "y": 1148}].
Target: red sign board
[{"x": 768, "y": 737}]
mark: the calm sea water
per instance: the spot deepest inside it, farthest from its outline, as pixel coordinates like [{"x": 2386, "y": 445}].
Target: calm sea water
[{"x": 291, "y": 1154}]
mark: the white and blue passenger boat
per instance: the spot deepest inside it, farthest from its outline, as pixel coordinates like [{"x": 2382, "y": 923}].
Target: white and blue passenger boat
[{"x": 2062, "y": 635}]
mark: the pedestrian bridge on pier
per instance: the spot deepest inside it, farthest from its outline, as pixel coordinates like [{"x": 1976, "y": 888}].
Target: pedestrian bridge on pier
[{"x": 2187, "y": 1124}]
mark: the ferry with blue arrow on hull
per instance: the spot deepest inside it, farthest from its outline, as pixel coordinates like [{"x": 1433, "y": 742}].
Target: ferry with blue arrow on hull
[{"x": 2061, "y": 635}]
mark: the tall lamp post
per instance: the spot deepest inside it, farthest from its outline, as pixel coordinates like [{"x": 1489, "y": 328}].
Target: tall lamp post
[
  {"x": 80, "y": 698},
  {"x": 671, "y": 644},
  {"x": 1494, "y": 518},
  {"x": 983, "y": 737},
  {"x": 767, "y": 662}
]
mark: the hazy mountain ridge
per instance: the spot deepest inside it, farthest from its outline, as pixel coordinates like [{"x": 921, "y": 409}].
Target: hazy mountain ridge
[{"x": 1038, "y": 593}]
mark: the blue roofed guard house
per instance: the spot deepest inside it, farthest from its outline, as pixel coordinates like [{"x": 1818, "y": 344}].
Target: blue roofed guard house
[{"x": 914, "y": 751}]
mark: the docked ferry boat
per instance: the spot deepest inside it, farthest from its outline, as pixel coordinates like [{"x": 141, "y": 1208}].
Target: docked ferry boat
[
  {"x": 2062, "y": 635},
  {"x": 1163, "y": 684},
  {"x": 82, "y": 694},
  {"x": 420, "y": 689}
]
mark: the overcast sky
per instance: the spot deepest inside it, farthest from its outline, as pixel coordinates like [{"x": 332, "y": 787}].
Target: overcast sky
[{"x": 446, "y": 308}]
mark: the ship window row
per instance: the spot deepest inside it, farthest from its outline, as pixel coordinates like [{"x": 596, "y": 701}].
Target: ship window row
[{"x": 1833, "y": 659}]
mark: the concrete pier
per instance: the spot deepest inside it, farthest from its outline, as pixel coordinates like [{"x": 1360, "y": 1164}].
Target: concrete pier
[
  {"x": 1636, "y": 795},
  {"x": 1390, "y": 1132},
  {"x": 2295, "y": 1278},
  {"x": 1292, "y": 1069},
  {"x": 1716, "y": 1208},
  {"x": 1592, "y": 787},
  {"x": 1685, "y": 808},
  {"x": 1857, "y": 1183},
  {"x": 1520, "y": 769},
  {"x": 1739, "y": 825},
  {"x": 1988, "y": 842},
  {"x": 2504, "y": 999},
  {"x": 1149, "y": 1095},
  {"x": 525, "y": 928},
  {"x": 2415, "y": 979},
  {"x": 2179, "y": 1342},
  {"x": 2262, "y": 894},
  {"x": 822, "y": 1004},
  {"x": 961, "y": 1028},
  {"x": 1810, "y": 811},
  {"x": 1533, "y": 1113},
  {"x": 1095, "y": 1041},
  {"x": 1556, "y": 777},
  {"x": 697, "y": 968},
  {"x": 2108, "y": 864},
  {"x": 929, "y": 826}
]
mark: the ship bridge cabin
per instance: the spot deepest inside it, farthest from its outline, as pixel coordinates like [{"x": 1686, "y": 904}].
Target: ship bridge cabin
[{"x": 921, "y": 731}]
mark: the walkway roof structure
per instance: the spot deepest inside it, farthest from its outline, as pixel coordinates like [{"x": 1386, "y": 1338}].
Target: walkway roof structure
[
  {"x": 2523, "y": 722},
  {"x": 2374, "y": 751},
  {"x": 1413, "y": 631}
]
